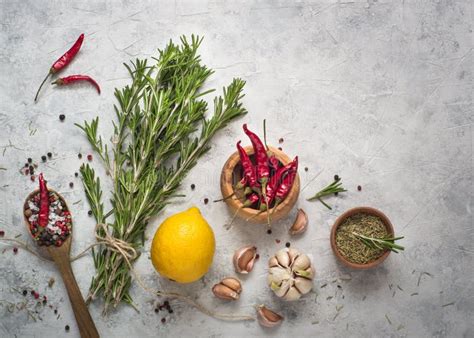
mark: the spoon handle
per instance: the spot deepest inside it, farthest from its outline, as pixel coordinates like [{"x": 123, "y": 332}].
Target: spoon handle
[{"x": 84, "y": 321}]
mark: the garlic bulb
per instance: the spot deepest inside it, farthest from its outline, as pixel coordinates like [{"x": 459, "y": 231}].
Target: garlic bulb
[{"x": 290, "y": 274}]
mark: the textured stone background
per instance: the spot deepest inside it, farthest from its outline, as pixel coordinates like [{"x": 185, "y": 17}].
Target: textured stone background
[{"x": 379, "y": 92}]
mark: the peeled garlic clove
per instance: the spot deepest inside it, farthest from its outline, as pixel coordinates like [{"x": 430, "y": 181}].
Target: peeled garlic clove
[
  {"x": 282, "y": 290},
  {"x": 292, "y": 294},
  {"x": 223, "y": 292},
  {"x": 302, "y": 262},
  {"x": 267, "y": 317},
  {"x": 300, "y": 224},
  {"x": 232, "y": 283},
  {"x": 303, "y": 285},
  {"x": 283, "y": 258},
  {"x": 244, "y": 259}
]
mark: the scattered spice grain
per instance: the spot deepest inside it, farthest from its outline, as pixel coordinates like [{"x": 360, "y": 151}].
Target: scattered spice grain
[{"x": 62, "y": 117}]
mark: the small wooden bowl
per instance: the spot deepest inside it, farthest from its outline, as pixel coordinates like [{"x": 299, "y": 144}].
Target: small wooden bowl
[
  {"x": 342, "y": 218},
  {"x": 231, "y": 174}
]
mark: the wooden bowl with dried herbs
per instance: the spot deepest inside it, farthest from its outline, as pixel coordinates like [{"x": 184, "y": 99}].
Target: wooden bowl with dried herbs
[{"x": 363, "y": 237}]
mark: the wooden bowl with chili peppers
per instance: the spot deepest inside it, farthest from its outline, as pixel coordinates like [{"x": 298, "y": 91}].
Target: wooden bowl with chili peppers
[{"x": 232, "y": 174}]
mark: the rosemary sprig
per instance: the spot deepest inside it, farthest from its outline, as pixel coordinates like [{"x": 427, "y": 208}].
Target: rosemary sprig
[
  {"x": 154, "y": 145},
  {"x": 334, "y": 187},
  {"x": 387, "y": 243}
]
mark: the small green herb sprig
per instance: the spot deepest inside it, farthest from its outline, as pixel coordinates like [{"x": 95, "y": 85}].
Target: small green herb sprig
[
  {"x": 334, "y": 187},
  {"x": 387, "y": 243}
]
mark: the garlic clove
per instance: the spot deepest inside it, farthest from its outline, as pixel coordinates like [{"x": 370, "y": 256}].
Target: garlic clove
[
  {"x": 292, "y": 294},
  {"x": 223, "y": 292},
  {"x": 303, "y": 285},
  {"x": 272, "y": 262},
  {"x": 232, "y": 283},
  {"x": 244, "y": 258},
  {"x": 267, "y": 317},
  {"x": 293, "y": 254},
  {"x": 283, "y": 258},
  {"x": 300, "y": 224},
  {"x": 282, "y": 290},
  {"x": 302, "y": 262}
]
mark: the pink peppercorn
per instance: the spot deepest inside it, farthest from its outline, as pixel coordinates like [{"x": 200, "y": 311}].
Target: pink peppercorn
[
  {"x": 2, "y": 233},
  {"x": 89, "y": 157},
  {"x": 36, "y": 295},
  {"x": 15, "y": 250}
]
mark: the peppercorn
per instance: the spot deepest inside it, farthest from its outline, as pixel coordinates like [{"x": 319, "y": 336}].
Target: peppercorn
[
  {"x": 44, "y": 301},
  {"x": 170, "y": 310},
  {"x": 89, "y": 157},
  {"x": 257, "y": 256},
  {"x": 280, "y": 140},
  {"x": 62, "y": 117},
  {"x": 79, "y": 155},
  {"x": 25, "y": 292},
  {"x": 76, "y": 174},
  {"x": 336, "y": 193},
  {"x": 305, "y": 168},
  {"x": 287, "y": 244},
  {"x": 30, "y": 160},
  {"x": 43, "y": 158},
  {"x": 269, "y": 231},
  {"x": 32, "y": 292},
  {"x": 206, "y": 200},
  {"x": 36, "y": 295},
  {"x": 157, "y": 310},
  {"x": 55, "y": 311},
  {"x": 277, "y": 241},
  {"x": 280, "y": 148},
  {"x": 89, "y": 212},
  {"x": 49, "y": 155},
  {"x": 67, "y": 328},
  {"x": 71, "y": 184},
  {"x": 32, "y": 178},
  {"x": 336, "y": 177},
  {"x": 166, "y": 303},
  {"x": 26, "y": 165},
  {"x": 193, "y": 186},
  {"x": 359, "y": 188},
  {"x": 2, "y": 233},
  {"x": 163, "y": 320},
  {"x": 15, "y": 250}
]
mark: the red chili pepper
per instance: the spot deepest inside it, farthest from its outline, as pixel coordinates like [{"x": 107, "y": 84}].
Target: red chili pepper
[
  {"x": 286, "y": 184},
  {"x": 263, "y": 170},
  {"x": 63, "y": 61},
  {"x": 250, "y": 175},
  {"x": 43, "y": 217},
  {"x": 251, "y": 199},
  {"x": 272, "y": 185},
  {"x": 64, "y": 81},
  {"x": 274, "y": 163}
]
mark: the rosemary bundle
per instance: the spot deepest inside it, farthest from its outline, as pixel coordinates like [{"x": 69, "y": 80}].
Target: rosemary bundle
[{"x": 155, "y": 143}]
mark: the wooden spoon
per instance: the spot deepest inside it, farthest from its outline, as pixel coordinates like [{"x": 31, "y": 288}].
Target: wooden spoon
[{"x": 61, "y": 256}]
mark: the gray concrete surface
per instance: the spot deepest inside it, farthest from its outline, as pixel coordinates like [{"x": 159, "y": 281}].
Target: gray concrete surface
[{"x": 379, "y": 92}]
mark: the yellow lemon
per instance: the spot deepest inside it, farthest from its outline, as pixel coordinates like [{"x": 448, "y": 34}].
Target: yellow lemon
[{"x": 183, "y": 246}]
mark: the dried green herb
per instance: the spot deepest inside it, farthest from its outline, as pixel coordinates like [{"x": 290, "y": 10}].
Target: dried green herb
[{"x": 351, "y": 247}]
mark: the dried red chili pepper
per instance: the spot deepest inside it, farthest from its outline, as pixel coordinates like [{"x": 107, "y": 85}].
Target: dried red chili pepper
[
  {"x": 263, "y": 170},
  {"x": 43, "y": 217},
  {"x": 274, "y": 182},
  {"x": 63, "y": 61},
  {"x": 249, "y": 201},
  {"x": 286, "y": 185},
  {"x": 64, "y": 81},
  {"x": 250, "y": 175},
  {"x": 274, "y": 163}
]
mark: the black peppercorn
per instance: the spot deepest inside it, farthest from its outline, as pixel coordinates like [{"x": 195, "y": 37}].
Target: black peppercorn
[
  {"x": 163, "y": 320},
  {"x": 193, "y": 186},
  {"x": 206, "y": 200},
  {"x": 79, "y": 155},
  {"x": 89, "y": 212},
  {"x": 49, "y": 154},
  {"x": 76, "y": 174},
  {"x": 287, "y": 244},
  {"x": 166, "y": 303},
  {"x": 157, "y": 310},
  {"x": 71, "y": 185},
  {"x": 269, "y": 231},
  {"x": 62, "y": 117},
  {"x": 25, "y": 292},
  {"x": 336, "y": 177},
  {"x": 67, "y": 328},
  {"x": 170, "y": 310},
  {"x": 305, "y": 168},
  {"x": 359, "y": 188},
  {"x": 43, "y": 158},
  {"x": 30, "y": 160}
]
